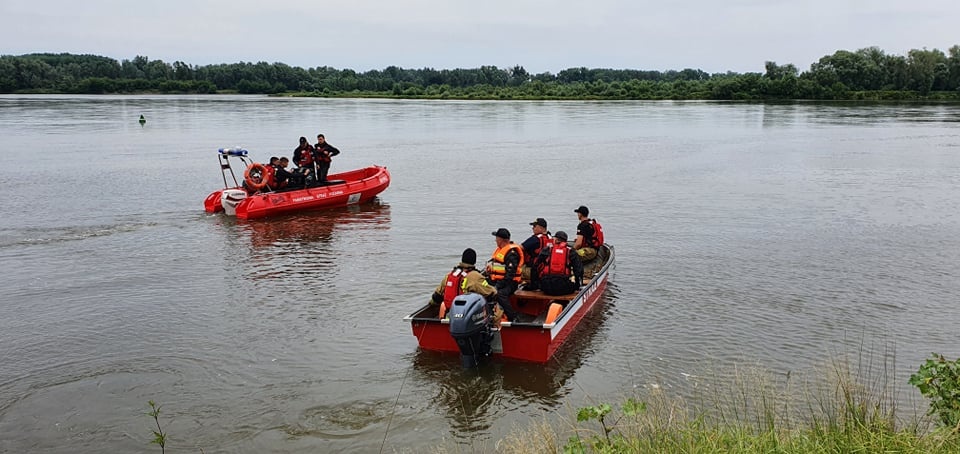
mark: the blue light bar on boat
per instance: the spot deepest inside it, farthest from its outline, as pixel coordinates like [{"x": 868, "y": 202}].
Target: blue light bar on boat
[{"x": 236, "y": 151}]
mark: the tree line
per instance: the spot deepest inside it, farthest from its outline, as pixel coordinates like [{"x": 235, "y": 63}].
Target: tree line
[{"x": 867, "y": 73}]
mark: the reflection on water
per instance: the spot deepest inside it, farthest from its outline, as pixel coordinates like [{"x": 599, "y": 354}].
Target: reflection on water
[
  {"x": 299, "y": 246},
  {"x": 283, "y": 235}
]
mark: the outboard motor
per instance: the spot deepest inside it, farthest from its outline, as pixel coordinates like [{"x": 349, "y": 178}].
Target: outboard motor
[
  {"x": 230, "y": 198},
  {"x": 470, "y": 326}
]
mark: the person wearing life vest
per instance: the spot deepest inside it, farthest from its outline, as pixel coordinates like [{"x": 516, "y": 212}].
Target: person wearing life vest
[
  {"x": 303, "y": 159},
  {"x": 324, "y": 151},
  {"x": 283, "y": 178},
  {"x": 589, "y": 235},
  {"x": 503, "y": 270},
  {"x": 559, "y": 270},
  {"x": 533, "y": 245},
  {"x": 463, "y": 278}
]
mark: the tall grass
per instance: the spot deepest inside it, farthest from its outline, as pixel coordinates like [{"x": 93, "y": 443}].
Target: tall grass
[{"x": 847, "y": 406}]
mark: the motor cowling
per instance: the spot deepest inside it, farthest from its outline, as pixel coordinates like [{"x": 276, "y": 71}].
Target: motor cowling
[
  {"x": 470, "y": 327},
  {"x": 230, "y": 198}
]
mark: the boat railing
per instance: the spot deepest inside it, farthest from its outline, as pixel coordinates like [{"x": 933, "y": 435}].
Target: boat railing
[{"x": 224, "y": 155}]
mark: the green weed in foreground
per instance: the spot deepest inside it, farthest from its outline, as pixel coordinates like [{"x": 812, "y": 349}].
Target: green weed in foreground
[
  {"x": 630, "y": 408},
  {"x": 159, "y": 437},
  {"x": 939, "y": 381},
  {"x": 851, "y": 410}
]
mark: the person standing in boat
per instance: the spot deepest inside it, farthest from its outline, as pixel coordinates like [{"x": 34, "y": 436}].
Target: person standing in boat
[
  {"x": 303, "y": 158},
  {"x": 533, "y": 245},
  {"x": 504, "y": 269},
  {"x": 324, "y": 151},
  {"x": 463, "y": 278},
  {"x": 556, "y": 264}
]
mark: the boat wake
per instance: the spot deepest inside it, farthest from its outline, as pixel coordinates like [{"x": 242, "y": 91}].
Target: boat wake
[{"x": 31, "y": 236}]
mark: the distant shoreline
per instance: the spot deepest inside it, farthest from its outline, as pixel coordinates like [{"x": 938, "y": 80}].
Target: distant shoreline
[
  {"x": 878, "y": 97},
  {"x": 867, "y": 74}
]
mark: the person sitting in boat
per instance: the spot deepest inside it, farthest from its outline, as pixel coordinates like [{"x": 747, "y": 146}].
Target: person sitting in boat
[
  {"x": 557, "y": 263},
  {"x": 303, "y": 158},
  {"x": 463, "y": 278},
  {"x": 274, "y": 163},
  {"x": 281, "y": 176},
  {"x": 504, "y": 270},
  {"x": 324, "y": 151},
  {"x": 589, "y": 235},
  {"x": 533, "y": 245}
]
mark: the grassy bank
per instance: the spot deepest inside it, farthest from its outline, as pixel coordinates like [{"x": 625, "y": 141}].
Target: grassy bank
[{"x": 834, "y": 410}]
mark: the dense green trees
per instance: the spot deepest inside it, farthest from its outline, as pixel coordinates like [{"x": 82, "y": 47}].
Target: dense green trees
[{"x": 863, "y": 74}]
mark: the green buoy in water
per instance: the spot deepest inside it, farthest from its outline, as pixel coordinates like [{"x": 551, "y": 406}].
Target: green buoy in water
[{"x": 142, "y": 120}]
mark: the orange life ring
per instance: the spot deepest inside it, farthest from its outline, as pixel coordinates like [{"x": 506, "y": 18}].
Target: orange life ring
[{"x": 252, "y": 180}]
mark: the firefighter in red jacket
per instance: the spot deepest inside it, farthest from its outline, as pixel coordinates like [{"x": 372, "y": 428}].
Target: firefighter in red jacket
[{"x": 557, "y": 264}]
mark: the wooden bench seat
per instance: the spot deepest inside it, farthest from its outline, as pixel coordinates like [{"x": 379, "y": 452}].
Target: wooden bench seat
[{"x": 538, "y": 295}]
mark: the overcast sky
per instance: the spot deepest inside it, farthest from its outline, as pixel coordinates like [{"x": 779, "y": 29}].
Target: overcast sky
[{"x": 541, "y": 36}]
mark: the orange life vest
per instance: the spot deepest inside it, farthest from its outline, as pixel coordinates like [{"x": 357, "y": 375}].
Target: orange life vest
[{"x": 498, "y": 268}]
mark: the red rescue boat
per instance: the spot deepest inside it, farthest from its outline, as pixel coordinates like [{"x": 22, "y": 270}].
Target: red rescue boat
[
  {"x": 340, "y": 189},
  {"x": 543, "y": 325}
]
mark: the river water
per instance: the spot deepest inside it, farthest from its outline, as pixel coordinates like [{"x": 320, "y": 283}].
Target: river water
[{"x": 775, "y": 234}]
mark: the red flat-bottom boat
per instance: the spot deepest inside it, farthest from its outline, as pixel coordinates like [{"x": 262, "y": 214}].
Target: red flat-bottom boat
[
  {"x": 340, "y": 189},
  {"x": 543, "y": 324}
]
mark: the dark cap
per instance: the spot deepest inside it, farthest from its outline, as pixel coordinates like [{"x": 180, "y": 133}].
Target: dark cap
[
  {"x": 582, "y": 210},
  {"x": 501, "y": 233},
  {"x": 560, "y": 235},
  {"x": 541, "y": 222},
  {"x": 469, "y": 257}
]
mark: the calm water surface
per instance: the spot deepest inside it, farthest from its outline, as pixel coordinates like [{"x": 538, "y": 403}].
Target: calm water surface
[{"x": 776, "y": 235}]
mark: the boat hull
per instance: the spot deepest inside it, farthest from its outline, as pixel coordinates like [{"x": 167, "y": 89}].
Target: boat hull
[
  {"x": 355, "y": 186},
  {"x": 534, "y": 342}
]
